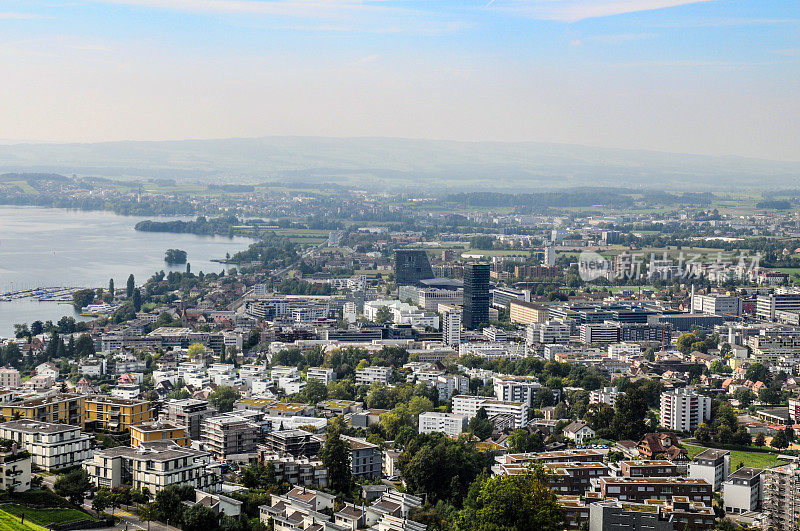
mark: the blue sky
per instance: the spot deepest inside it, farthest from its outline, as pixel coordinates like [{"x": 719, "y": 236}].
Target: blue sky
[{"x": 718, "y": 77}]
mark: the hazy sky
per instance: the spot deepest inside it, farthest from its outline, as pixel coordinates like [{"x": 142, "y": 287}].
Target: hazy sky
[{"x": 718, "y": 77}]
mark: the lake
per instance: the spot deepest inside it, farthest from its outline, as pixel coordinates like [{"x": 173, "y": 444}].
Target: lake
[{"x": 43, "y": 247}]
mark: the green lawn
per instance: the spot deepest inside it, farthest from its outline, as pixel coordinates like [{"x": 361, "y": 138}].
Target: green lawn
[
  {"x": 44, "y": 517},
  {"x": 790, "y": 270},
  {"x": 751, "y": 459},
  {"x": 9, "y": 522}
]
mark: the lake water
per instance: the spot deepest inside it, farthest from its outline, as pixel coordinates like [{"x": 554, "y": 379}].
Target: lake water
[{"x": 43, "y": 247}]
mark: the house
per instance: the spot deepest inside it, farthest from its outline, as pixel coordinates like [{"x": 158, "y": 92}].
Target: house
[
  {"x": 663, "y": 444},
  {"x": 578, "y": 432},
  {"x": 47, "y": 369}
]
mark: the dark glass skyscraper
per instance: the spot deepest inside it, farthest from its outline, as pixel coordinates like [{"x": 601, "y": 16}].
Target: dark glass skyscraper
[
  {"x": 411, "y": 266},
  {"x": 476, "y": 295}
]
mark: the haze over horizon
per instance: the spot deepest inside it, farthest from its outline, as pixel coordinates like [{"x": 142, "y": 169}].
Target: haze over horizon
[{"x": 711, "y": 77}]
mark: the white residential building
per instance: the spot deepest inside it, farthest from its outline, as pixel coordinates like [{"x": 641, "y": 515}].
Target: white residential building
[
  {"x": 741, "y": 491},
  {"x": 713, "y": 465},
  {"x": 368, "y": 375},
  {"x": 717, "y": 304},
  {"x": 684, "y": 409},
  {"x": 9, "y": 378},
  {"x": 448, "y": 423},
  {"x": 516, "y": 388},
  {"x": 469, "y": 405},
  {"x": 323, "y": 374},
  {"x": 451, "y": 325},
  {"x": 606, "y": 395},
  {"x": 549, "y": 332},
  {"x": 52, "y": 446}
]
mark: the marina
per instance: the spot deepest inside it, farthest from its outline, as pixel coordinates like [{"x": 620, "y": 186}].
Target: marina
[{"x": 51, "y": 294}]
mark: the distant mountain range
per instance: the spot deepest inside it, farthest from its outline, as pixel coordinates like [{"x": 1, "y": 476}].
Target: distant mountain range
[{"x": 397, "y": 164}]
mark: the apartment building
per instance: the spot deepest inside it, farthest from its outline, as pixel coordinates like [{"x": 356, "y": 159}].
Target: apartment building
[
  {"x": 64, "y": 408},
  {"x": 15, "y": 467},
  {"x": 511, "y": 388},
  {"x": 51, "y": 446},
  {"x": 229, "y": 434},
  {"x": 448, "y": 423},
  {"x": 648, "y": 468},
  {"x": 152, "y": 466},
  {"x": 741, "y": 491},
  {"x": 365, "y": 458},
  {"x": 571, "y": 478},
  {"x": 368, "y": 375},
  {"x": 606, "y": 395},
  {"x": 640, "y": 489},
  {"x": 712, "y": 465},
  {"x": 322, "y": 374},
  {"x": 296, "y": 470},
  {"x": 684, "y": 409},
  {"x": 291, "y": 442},
  {"x": 469, "y": 405},
  {"x": 9, "y": 378},
  {"x": 781, "y": 497},
  {"x": 187, "y": 413},
  {"x": 653, "y": 515},
  {"x": 451, "y": 325},
  {"x": 116, "y": 414},
  {"x": 158, "y": 431},
  {"x": 522, "y": 312}
]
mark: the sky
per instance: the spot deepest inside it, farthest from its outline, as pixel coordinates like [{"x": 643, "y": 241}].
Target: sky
[{"x": 718, "y": 77}]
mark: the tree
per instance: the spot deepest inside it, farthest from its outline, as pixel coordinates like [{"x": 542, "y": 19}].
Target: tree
[
  {"x": 383, "y": 315},
  {"x": 480, "y": 425},
  {"x": 315, "y": 391},
  {"x": 82, "y": 297},
  {"x": 84, "y": 347},
  {"x": 198, "y": 517},
  {"x": 780, "y": 440},
  {"x": 196, "y": 350},
  {"x": 760, "y": 439},
  {"x": 629, "y": 414},
  {"x": 111, "y": 287},
  {"x": 169, "y": 505},
  {"x": 130, "y": 287},
  {"x": 335, "y": 456},
  {"x": 223, "y": 398},
  {"x": 37, "y": 327},
  {"x": 137, "y": 300},
  {"x": 685, "y": 342},
  {"x": 101, "y": 501},
  {"x": 720, "y": 367},
  {"x": 757, "y": 372},
  {"x": 521, "y": 502},
  {"x": 521, "y": 441},
  {"x": 147, "y": 513},
  {"x": 73, "y": 485}
]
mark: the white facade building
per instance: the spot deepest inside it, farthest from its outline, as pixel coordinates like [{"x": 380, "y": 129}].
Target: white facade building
[
  {"x": 448, "y": 423},
  {"x": 684, "y": 409},
  {"x": 52, "y": 446}
]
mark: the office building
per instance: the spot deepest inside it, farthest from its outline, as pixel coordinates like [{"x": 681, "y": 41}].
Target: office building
[
  {"x": 684, "y": 410},
  {"x": 770, "y": 345},
  {"x": 411, "y": 266},
  {"x": 448, "y": 423},
  {"x": 152, "y": 466},
  {"x": 502, "y": 297},
  {"x": 429, "y": 298},
  {"x": 476, "y": 295},
  {"x": 602, "y": 333},
  {"x": 52, "y": 446},
  {"x": 717, "y": 305},
  {"x": 522, "y": 312},
  {"x": 548, "y": 333},
  {"x": 782, "y": 301}
]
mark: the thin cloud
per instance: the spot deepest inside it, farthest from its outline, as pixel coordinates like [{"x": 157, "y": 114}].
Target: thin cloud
[
  {"x": 576, "y": 10},
  {"x": 21, "y": 16}
]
